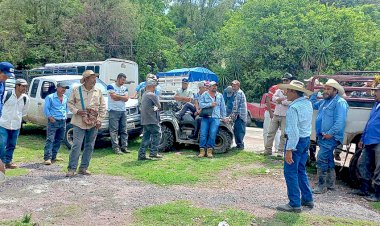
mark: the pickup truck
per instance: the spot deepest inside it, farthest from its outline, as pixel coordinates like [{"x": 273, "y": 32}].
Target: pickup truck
[
  {"x": 42, "y": 86},
  {"x": 256, "y": 112}
]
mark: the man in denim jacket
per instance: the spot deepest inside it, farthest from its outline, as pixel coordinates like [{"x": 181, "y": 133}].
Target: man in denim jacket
[
  {"x": 330, "y": 124},
  {"x": 210, "y": 125}
]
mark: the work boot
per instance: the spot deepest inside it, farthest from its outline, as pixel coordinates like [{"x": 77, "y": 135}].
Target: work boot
[
  {"x": 117, "y": 151},
  {"x": 267, "y": 153},
  {"x": 321, "y": 187},
  {"x": 364, "y": 188},
  {"x": 156, "y": 156},
  {"x": 202, "y": 153},
  {"x": 330, "y": 179},
  {"x": 125, "y": 150},
  {"x": 70, "y": 173},
  {"x": 288, "y": 208},
  {"x": 11, "y": 166},
  {"x": 309, "y": 205},
  {"x": 209, "y": 153},
  {"x": 57, "y": 159},
  {"x": 84, "y": 171},
  {"x": 375, "y": 197},
  {"x": 47, "y": 162}
]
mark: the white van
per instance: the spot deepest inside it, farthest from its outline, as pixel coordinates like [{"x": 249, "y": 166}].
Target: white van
[{"x": 107, "y": 70}]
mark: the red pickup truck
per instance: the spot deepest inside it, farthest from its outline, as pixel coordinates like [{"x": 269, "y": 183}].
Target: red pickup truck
[{"x": 256, "y": 112}]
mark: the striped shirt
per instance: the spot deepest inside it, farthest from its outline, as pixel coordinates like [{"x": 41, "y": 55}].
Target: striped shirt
[{"x": 298, "y": 121}]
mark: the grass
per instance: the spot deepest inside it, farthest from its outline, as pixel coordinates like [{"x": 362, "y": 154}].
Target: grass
[
  {"x": 305, "y": 219},
  {"x": 176, "y": 168},
  {"x": 25, "y": 221},
  {"x": 376, "y": 205},
  {"x": 17, "y": 172},
  {"x": 184, "y": 213}
]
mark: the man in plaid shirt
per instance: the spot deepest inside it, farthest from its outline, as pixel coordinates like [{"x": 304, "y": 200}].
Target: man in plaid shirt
[{"x": 239, "y": 111}]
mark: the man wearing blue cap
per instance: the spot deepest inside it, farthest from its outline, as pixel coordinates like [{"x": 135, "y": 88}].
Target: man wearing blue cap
[{"x": 6, "y": 71}]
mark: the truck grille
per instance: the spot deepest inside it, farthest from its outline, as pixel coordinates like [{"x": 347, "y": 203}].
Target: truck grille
[{"x": 132, "y": 111}]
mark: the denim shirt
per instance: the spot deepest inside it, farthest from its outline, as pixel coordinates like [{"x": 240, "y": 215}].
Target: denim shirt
[
  {"x": 298, "y": 121},
  {"x": 219, "y": 110},
  {"x": 371, "y": 133},
  {"x": 331, "y": 117},
  {"x": 54, "y": 108}
]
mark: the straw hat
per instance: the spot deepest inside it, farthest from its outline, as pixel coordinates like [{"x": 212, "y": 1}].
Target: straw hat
[
  {"x": 86, "y": 74},
  {"x": 376, "y": 88},
  {"x": 333, "y": 83},
  {"x": 295, "y": 85}
]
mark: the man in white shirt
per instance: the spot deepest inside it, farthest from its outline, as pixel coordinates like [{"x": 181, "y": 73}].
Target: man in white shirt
[
  {"x": 279, "y": 118},
  {"x": 15, "y": 107},
  {"x": 117, "y": 96}
]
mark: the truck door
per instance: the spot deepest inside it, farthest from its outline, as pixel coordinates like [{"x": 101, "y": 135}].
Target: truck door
[{"x": 32, "y": 110}]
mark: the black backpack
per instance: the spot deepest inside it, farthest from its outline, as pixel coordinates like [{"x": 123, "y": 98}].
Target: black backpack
[{"x": 9, "y": 94}]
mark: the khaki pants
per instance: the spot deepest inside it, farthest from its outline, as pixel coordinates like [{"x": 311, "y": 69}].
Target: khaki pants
[
  {"x": 266, "y": 126},
  {"x": 276, "y": 123}
]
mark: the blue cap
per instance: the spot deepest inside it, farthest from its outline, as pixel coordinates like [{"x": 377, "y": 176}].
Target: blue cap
[
  {"x": 185, "y": 80},
  {"x": 7, "y": 68}
]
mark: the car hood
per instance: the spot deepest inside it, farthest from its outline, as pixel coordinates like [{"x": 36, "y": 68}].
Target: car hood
[{"x": 131, "y": 103}]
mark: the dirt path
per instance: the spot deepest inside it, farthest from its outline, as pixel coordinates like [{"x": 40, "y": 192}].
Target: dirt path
[{"x": 107, "y": 200}]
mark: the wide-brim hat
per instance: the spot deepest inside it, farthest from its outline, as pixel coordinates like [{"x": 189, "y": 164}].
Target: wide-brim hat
[
  {"x": 86, "y": 74},
  {"x": 333, "y": 83},
  {"x": 295, "y": 85}
]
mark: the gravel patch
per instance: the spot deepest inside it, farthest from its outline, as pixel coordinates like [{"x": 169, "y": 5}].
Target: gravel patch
[{"x": 107, "y": 200}]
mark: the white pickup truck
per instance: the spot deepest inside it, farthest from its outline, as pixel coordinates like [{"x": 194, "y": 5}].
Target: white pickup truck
[{"x": 42, "y": 86}]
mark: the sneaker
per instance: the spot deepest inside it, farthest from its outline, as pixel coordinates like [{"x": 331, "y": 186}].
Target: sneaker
[
  {"x": 308, "y": 204},
  {"x": 11, "y": 166},
  {"x": 84, "y": 172},
  {"x": 70, "y": 173},
  {"x": 57, "y": 159},
  {"x": 143, "y": 158},
  {"x": 125, "y": 150},
  {"x": 118, "y": 152},
  {"x": 47, "y": 162},
  {"x": 288, "y": 208},
  {"x": 157, "y": 156}
]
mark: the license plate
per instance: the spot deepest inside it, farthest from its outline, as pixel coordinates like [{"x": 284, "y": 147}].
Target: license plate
[{"x": 131, "y": 125}]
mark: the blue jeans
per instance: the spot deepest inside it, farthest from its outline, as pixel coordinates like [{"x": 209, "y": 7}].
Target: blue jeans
[
  {"x": 209, "y": 129},
  {"x": 89, "y": 137},
  {"x": 118, "y": 126},
  {"x": 54, "y": 137},
  {"x": 8, "y": 141},
  {"x": 370, "y": 155},
  {"x": 296, "y": 178},
  {"x": 325, "y": 158},
  {"x": 239, "y": 132},
  {"x": 187, "y": 107},
  {"x": 151, "y": 138}
]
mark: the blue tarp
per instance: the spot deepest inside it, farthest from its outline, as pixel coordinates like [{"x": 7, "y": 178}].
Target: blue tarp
[{"x": 195, "y": 74}]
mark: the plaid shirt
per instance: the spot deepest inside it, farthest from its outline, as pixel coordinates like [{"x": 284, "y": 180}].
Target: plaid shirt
[
  {"x": 240, "y": 105},
  {"x": 298, "y": 121}
]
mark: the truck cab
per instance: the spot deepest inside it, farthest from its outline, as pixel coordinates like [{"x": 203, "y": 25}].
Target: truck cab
[{"x": 42, "y": 86}]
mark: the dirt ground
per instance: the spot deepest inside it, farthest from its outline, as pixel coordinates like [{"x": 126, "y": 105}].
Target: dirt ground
[{"x": 107, "y": 200}]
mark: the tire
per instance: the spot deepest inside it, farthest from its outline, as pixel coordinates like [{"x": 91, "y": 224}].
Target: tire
[
  {"x": 167, "y": 139},
  {"x": 354, "y": 180},
  {"x": 68, "y": 139},
  {"x": 223, "y": 141},
  {"x": 259, "y": 124},
  {"x": 249, "y": 120}
]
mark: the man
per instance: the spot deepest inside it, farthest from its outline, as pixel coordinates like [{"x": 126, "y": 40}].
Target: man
[
  {"x": 203, "y": 87},
  {"x": 371, "y": 153},
  {"x": 87, "y": 104},
  {"x": 15, "y": 107},
  {"x": 6, "y": 71},
  {"x": 117, "y": 96},
  {"x": 298, "y": 130},
  {"x": 184, "y": 94},
  {"x": 150, "y": 120},
  {"x": 192, "y": 106},
  {"x": 141, "y": 87},
  {"x": 210, "y": 125},
  {"x": 55, "y": 111},
  {"x": 268, "y": 115},
  {"x": 228, "y": 96},
  {"x": 239, "y": 112},
  {"x": 329, "y": 124},
  {"x": 278, "y": 120}
]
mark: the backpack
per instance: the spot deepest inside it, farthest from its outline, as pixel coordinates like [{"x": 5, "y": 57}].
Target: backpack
[{"x": 9, "y": 94}]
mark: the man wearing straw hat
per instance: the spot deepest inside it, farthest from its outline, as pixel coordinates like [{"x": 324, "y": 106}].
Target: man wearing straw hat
[
  {"x": 371, "y": 153},
  {"x": 329, "y": 124},
  {"x": 297, "y": 132},
  {"x": 87, "y": 104}
]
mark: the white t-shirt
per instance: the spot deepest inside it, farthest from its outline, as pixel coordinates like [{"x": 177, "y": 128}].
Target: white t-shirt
[{"x": 116, "y": 105}]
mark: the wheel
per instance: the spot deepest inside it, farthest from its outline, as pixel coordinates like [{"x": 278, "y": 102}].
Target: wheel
[
  {"x": 68, "y": 140},
  {"x": 249, "y": 120},
  {"x": 353, "y": 169},
  {"x": 259, "y": 124},
  {"x": 167, "y": 139},
  {"x": 223, "y": 141}
]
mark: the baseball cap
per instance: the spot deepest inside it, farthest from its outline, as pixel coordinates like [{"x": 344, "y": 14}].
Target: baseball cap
[
  {"x": 151, "y": 82},
  {"x": 185, "y": 80},
  {"x": 63, "y": 85},
  {"x": 7, "y": 68},
  {"x": 22, "y": 82},
  {"x": 213, "y": 83},
  {"x": 201, "y": 84},
  {"x": 229, "y": 91}
]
